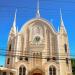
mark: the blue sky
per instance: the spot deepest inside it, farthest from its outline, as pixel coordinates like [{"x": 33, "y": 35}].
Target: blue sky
[{"x": 26, "y": 10}]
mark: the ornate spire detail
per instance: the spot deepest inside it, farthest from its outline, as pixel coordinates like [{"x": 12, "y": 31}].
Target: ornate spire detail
[
  {"x": 38, "y": 11},
  {"x": 61, "y": 22}
]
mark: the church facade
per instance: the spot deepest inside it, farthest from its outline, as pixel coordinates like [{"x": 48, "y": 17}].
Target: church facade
[{"x": 38, "y": 49}]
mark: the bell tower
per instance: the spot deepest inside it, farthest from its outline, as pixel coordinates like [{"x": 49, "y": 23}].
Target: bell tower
[
  {"x": 11, "y": 40},
  {"x": 63, "y": 45}
]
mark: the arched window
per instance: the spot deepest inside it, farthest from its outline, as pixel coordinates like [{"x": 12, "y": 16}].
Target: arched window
[
  {"x": 52, "y": 70},
  {"x": 22, "y": 70},
  {"x": 4, "y": 73},
  {"x": 67, "y": 62},
  {"x": 10, "y": 47},
  {"x": 8, "y": 60},
  {"x": 65, "y": 47},
  {"x": 11, "y": 73}
]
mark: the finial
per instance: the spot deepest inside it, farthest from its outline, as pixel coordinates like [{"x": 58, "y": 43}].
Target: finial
[
  {"x": 14, "y": 23},
  {"x": 61, "y": 20},
  {"x": 38, "y": 12}
]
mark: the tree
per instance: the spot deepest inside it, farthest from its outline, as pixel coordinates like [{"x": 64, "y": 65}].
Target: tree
[{"x": 73, "y": 65}]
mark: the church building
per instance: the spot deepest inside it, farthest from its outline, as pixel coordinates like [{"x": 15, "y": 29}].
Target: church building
[{"x": 37, "y": 49}]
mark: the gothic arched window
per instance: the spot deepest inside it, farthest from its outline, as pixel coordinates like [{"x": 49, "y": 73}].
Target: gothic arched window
[
  {"x": 11, "y": 73},
  {"x": 67, "y": 62},
  {"x": 4, "y": 73},
  {"x": 22, "y": 70},
  {"x": 65, "y": 47},
  {"x": 52, "y": 70},
  {"x": 8, "y": 60},
  {"x": 10, "y": 47}
]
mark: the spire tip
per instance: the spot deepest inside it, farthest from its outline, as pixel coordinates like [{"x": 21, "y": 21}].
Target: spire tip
[{"x": 38, "y": 11}]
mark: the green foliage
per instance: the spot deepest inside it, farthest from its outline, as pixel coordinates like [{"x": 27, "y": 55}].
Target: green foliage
[{"x": 73, "y": 65}]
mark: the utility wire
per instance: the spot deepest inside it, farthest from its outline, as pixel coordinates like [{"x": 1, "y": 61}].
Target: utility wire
[
  {"x": 18, "y": 53},
  {"x": 19, "y": 50},
  {"x": 56, "y": 58}
]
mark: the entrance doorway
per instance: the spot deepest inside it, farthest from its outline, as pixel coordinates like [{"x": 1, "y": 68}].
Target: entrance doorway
[{"x": 37, "y": 74}]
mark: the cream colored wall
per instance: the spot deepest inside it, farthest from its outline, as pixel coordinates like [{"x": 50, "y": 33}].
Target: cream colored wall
[
  {"x": 62, "y": 39},
  {"x": 52, "y": 43}
]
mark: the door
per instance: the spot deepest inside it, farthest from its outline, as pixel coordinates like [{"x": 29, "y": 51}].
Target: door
[{"x": 37, "y": 74}]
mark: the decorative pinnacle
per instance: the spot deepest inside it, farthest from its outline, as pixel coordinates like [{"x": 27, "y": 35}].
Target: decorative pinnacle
[
  {"x": 14, "y": 23},
  {"x": 38, "y": 12},
  {"x": 61, "y": 21}
]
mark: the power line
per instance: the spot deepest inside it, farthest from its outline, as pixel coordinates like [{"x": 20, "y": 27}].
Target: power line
[
  {"x": 55, "y": 58},
  {"x": 43, "y": 53}
]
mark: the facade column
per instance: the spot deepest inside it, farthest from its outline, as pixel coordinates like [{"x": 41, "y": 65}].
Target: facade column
[
  {"x": 18, "y": 47},
  {"x": 50, "y": 45}
]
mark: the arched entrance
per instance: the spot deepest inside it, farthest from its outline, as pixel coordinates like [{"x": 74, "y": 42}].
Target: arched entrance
[{"x": 37, "y": 72}]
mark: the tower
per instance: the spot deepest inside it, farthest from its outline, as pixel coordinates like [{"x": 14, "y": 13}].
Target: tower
[
  {"x": 11, "y": 44},
  {"x": 63, "y": 48}
]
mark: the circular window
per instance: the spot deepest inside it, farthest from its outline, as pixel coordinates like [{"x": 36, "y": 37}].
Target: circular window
[{"x": 37, "y": 38}]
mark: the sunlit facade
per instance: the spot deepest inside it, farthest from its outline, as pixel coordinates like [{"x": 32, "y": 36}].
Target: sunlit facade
[{"x": 37, "y": 49}]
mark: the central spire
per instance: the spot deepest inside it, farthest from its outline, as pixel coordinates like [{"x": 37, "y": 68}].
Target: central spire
[{"x": 38, "y": 11}]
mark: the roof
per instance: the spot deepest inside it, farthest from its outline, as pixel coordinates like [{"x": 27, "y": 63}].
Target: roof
[{"x": 41, "y": 19}]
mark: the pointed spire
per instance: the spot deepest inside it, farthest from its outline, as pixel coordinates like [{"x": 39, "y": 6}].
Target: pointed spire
[
  {"x": 14, "y": 22},
  {"x": 13, "y": 28},
  {"x": 38, "y": 11},
  {"x": 61, "y": 22}
]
